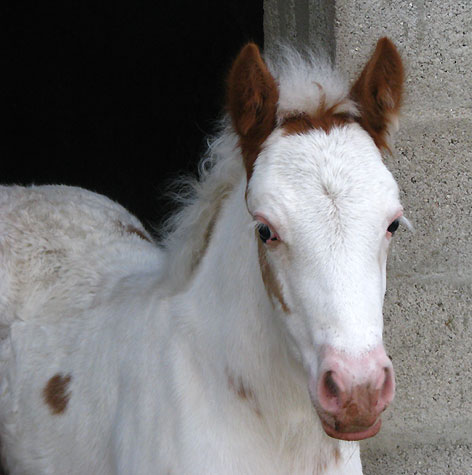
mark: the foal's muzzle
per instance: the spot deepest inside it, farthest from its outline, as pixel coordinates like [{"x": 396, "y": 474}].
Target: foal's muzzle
[{"x": 351, "y": 393}]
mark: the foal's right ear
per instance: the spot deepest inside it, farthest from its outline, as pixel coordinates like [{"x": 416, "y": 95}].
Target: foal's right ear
[{"x": 252, "y": 102}]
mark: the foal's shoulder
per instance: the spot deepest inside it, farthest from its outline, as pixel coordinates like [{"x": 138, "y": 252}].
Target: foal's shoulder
[{"x": 58, "y": 243}]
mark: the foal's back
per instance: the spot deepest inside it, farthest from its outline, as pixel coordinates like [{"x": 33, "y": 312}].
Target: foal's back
[{"x": 74, "y": 267}]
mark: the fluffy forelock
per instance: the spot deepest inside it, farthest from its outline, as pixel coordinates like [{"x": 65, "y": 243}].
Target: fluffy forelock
[{"x": 308, "y": 84}]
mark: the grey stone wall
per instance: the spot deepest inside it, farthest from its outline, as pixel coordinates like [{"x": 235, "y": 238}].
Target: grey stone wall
[{"x": 428, "y": 308}]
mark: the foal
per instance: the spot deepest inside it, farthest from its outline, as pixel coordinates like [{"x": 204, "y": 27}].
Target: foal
[{"x": 249, "y": 341}]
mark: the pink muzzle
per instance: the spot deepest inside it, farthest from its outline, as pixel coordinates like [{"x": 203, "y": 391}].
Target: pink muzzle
[{"x": 351, "y": 393}]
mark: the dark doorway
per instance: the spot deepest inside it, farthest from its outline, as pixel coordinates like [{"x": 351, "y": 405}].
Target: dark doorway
[{"x": 118, "y": 97}]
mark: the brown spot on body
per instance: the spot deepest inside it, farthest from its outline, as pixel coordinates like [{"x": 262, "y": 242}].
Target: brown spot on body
[
  {"x": 209, "y": 229},
  {"x": 337, "y": 455},
  {"x": 328, "y": 461},
  {"x": 243, "y": 391},
  {"x": 206, "y": 237},
  {"x": 200, "y": 252},
  {"x": 270, "y": 280},
  {"x": 56, "y": 394},
  {"x": 130, "y": 229},
  {"x": 321, "y": 467}
]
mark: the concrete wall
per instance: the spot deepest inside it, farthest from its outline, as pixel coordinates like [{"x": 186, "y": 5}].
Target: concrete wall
[{"x": 428, "y": 308}]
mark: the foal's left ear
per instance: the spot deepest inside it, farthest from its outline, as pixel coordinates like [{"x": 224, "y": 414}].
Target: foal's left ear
[
  {"x": 378, "y": 92},
  {"x": 252, "y": 102}
]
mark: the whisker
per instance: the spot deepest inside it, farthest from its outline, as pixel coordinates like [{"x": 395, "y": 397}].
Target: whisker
[
  {"x": 407, "y": 223},
  {"x": 350, "y": 457}
]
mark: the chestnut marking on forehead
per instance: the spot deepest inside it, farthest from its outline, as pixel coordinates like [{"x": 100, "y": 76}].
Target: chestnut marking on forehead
[{"x": 302, "y": 123}]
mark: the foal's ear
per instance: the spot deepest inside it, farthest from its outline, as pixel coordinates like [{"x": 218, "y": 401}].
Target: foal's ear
[
  {"x": 252, "y": 102},
  {"x": 378, "y": 92}
]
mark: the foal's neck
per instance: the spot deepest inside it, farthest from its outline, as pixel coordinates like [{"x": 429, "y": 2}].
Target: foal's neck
[
  {"x": 244, "y": 333},
  {"x": 239, "y": 343}
]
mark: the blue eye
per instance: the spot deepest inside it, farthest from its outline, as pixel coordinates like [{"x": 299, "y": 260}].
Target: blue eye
[
  {"x": 265, "y": 233},
  {"x": 393, "y": 227}
]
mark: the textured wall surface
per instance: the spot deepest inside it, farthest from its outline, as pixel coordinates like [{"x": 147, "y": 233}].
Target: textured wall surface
[
  {"x": 428, "y": 308},
  {"x": 301, "y": 22}
]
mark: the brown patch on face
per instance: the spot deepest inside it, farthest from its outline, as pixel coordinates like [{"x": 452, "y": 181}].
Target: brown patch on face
[
  {"x": 252, "y": 102},
  {"x": 134, "y": 230},
  {"x": 271, "y": 282},
  {"x": 378, "y": 91},
  {"x": 302, "y": 123},
  {"x": 243, "y": 391},
  {"x": 55, "y": 393}
]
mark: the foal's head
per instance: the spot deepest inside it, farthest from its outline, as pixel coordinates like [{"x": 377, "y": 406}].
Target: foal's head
[{"x": 325, "y": 209}]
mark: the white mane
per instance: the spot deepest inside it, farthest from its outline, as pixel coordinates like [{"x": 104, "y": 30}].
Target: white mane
[
  {"x": 186, "y": 233},
  {"x": 307, "y": 84}
]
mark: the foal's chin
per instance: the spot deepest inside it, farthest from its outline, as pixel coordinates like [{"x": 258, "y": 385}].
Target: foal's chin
[
  {"x": 353, "y": 433},
  {"x": 348, "y": 430}
]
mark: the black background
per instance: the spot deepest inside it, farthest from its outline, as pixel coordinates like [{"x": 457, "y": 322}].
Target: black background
[{"x": 118, "y": 97}]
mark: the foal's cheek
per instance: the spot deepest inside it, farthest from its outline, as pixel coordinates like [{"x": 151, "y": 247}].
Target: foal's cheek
[{"x": 382, "y": 262}]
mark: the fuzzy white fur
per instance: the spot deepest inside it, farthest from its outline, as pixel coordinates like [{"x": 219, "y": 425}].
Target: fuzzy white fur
[
  {"x": 307, "y": 80},
  {"x": 179, "y": 360}
]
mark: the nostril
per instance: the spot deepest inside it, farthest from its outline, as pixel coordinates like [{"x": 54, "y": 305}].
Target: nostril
[
  {"x": 330, "y": 392},
  {"x": 388, "y": 388},
  {"x": 330, "y": 386}
]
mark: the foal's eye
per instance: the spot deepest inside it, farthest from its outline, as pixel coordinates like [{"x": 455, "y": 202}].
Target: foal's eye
[
  {"x": 265, "y": 233},
  {"x": 393, "y": 226}
]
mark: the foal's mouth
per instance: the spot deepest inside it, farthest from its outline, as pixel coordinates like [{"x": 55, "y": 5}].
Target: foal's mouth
[{"x": 351, "y": 435}]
